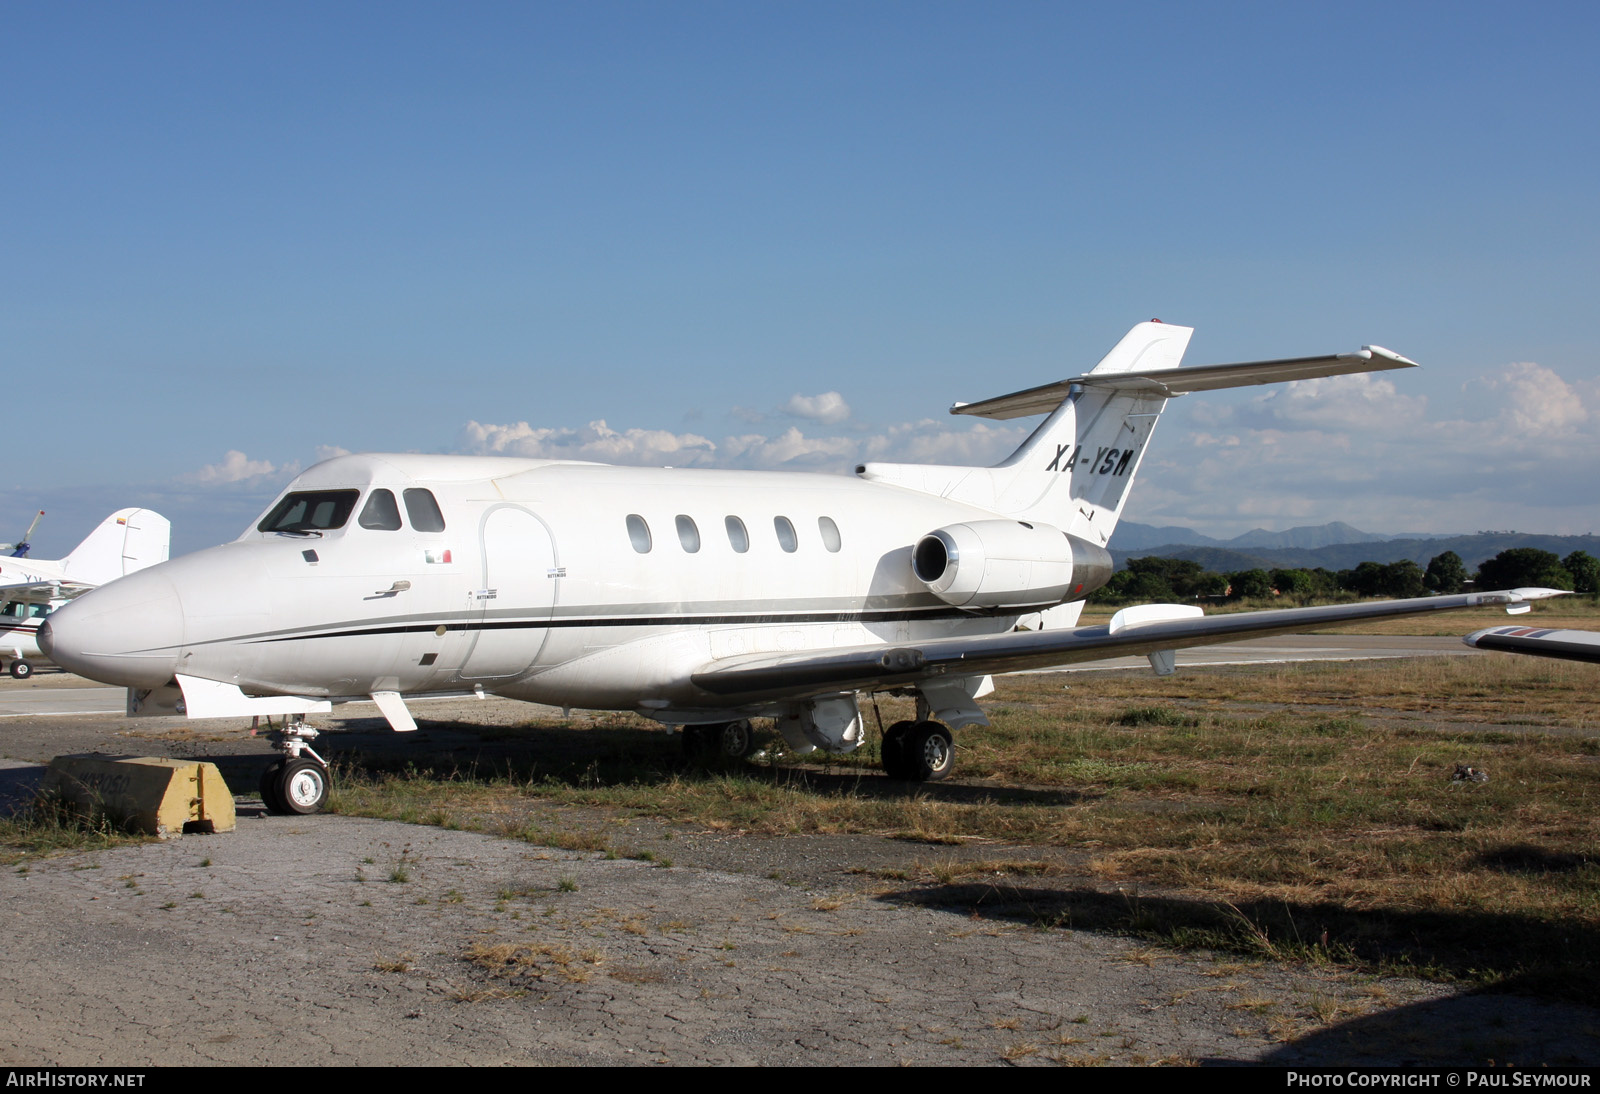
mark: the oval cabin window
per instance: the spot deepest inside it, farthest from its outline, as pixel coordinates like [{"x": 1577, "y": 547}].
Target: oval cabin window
[
  {"x": 688, "y": 534},
  {"x": 786, "y": 537},
  {"x": 638, "y": 533},
  {"x": 830, "y": 534}
]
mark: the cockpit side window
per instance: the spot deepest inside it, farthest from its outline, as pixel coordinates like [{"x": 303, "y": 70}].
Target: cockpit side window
[
  {"x": 310, "y": 511},
  {"x": 424, "y": 511},
  {"x": 380, "y": 512}
]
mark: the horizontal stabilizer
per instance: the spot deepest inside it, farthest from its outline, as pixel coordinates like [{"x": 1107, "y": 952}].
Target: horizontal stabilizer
[{"x": 1181, "y": 381}]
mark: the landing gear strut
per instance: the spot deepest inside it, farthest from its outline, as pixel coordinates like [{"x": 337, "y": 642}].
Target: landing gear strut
[{"x": 298, "y": 783}]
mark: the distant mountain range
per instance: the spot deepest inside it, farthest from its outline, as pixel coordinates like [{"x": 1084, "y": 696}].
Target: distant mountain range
[{"x": 1335, "y": 546}]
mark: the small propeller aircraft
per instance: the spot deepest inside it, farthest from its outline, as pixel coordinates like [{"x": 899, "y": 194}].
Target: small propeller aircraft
[
  {"x": 127, "y": 540},
  {"x": 20, "y": 548},
  {"x": 699, "y": 598}
]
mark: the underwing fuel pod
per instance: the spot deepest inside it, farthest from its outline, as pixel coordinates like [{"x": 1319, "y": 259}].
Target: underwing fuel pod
[{"x": 702, "y": 599}]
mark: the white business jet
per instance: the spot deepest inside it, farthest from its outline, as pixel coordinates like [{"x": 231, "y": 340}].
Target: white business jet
[
  {"x": 127, "y": 540},
  {"x": 698, "y": 598}
]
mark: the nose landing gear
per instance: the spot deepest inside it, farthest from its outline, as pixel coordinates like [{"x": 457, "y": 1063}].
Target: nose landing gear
[{"x": 298, "y": 783}]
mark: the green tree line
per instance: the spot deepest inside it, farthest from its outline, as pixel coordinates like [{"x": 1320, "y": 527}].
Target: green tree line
[{"x": 1147, "y": 580}]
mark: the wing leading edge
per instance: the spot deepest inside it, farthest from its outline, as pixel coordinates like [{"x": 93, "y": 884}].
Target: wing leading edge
[{"x": 800, "y": 674}]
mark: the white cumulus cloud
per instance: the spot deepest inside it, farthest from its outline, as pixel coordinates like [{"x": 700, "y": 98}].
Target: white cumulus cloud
[
  {"x": 235, "y": 466},
  {"x": 828, "y": 408},
  {"x": 1359, "y": 402},
  {"x": 596, "y": 441},
  {"x": 1537, "y": 400},
  {"x": 1356, "y": 449},
  {"x": 791, "y": 447}
]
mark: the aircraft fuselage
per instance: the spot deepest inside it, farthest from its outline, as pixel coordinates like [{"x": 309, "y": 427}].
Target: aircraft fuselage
[{"x": 579, "y": 585}]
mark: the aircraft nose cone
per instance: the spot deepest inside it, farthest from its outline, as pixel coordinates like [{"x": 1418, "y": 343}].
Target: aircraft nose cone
[{"x": 127, "y": 633}]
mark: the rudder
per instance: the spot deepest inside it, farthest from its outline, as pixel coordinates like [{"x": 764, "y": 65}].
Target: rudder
[{"x": 127, "y": 540}]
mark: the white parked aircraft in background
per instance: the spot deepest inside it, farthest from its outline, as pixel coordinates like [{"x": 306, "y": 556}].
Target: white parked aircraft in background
[
  {"x": 127, "y": 540},
  {"x": 698, "y": 598}
]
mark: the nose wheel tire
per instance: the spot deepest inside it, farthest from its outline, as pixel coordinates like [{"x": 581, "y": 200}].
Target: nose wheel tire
[
  {"x": 20, "y": 669},
  {"x": 269, "y": 788},
  {"x": 295, "y": 787}
]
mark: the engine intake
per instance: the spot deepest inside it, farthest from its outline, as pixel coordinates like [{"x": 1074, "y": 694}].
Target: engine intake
[{"x": 1008, "y": 564}]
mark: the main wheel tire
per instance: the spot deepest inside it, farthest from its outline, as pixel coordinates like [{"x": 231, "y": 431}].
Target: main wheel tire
[
  {"x": 269, "y": 788},
  {"x": 303, "y": 787},
  {"x": 893, "y": 752},
  {"x": 20, "y": 669},
  {"x": 725, "y": 740},
  {"x": 734, "y": 740},
  {"x": 930, "y": 753}
]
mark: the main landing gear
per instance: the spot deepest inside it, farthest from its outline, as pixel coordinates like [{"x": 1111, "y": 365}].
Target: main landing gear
[
  {"x": 20, "y": 669},
  {"x": 721, "y": 740},
  {"x": 919, "y": 752},
  {"x": 297, "y": 783}
]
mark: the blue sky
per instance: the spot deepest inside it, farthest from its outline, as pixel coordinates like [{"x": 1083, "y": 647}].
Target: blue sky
[{"x": 240, "y": 237}]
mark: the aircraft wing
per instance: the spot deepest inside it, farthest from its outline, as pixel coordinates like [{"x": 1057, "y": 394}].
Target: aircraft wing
[
  {"x": 1539, "y": 641},
  {"x": 42, "y": 589},
  {"x": 1151, "y": 628}
]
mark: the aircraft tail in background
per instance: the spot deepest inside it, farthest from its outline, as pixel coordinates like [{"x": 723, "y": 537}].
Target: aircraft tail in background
[{"x": 126, "y": 541}]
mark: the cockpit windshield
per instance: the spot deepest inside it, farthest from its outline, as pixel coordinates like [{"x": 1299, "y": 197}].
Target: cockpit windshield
[{"x": 309, "y": 511}]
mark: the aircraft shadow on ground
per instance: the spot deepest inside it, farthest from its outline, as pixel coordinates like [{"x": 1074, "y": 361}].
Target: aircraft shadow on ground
[
  {"x": 601, "y": 755},
  {"x": 1475, "y": 1028},
  {"x": 1518, "y": 954},
  {"x": 19, "y": 788}
]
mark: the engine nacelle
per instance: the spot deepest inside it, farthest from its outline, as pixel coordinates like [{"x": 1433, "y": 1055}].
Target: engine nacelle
[{"x": 1008, "y": 564}]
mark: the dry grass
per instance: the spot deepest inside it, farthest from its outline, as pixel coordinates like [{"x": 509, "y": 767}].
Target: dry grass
[
  {"x": 516, "y": 962},
  {"x": 46, "y": 828},
  {"x": 1301, "y": 812}
]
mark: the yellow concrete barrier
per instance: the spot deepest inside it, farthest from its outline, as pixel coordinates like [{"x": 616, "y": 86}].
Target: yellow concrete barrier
[{"x": 151, "y": 794}]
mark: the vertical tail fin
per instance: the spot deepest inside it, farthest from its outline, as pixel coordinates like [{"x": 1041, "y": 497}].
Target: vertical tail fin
[
  {"x": 1074, "y": 472},
  {"x": 1075, "y": 469},
  {"x": 127, "y": 540}
]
